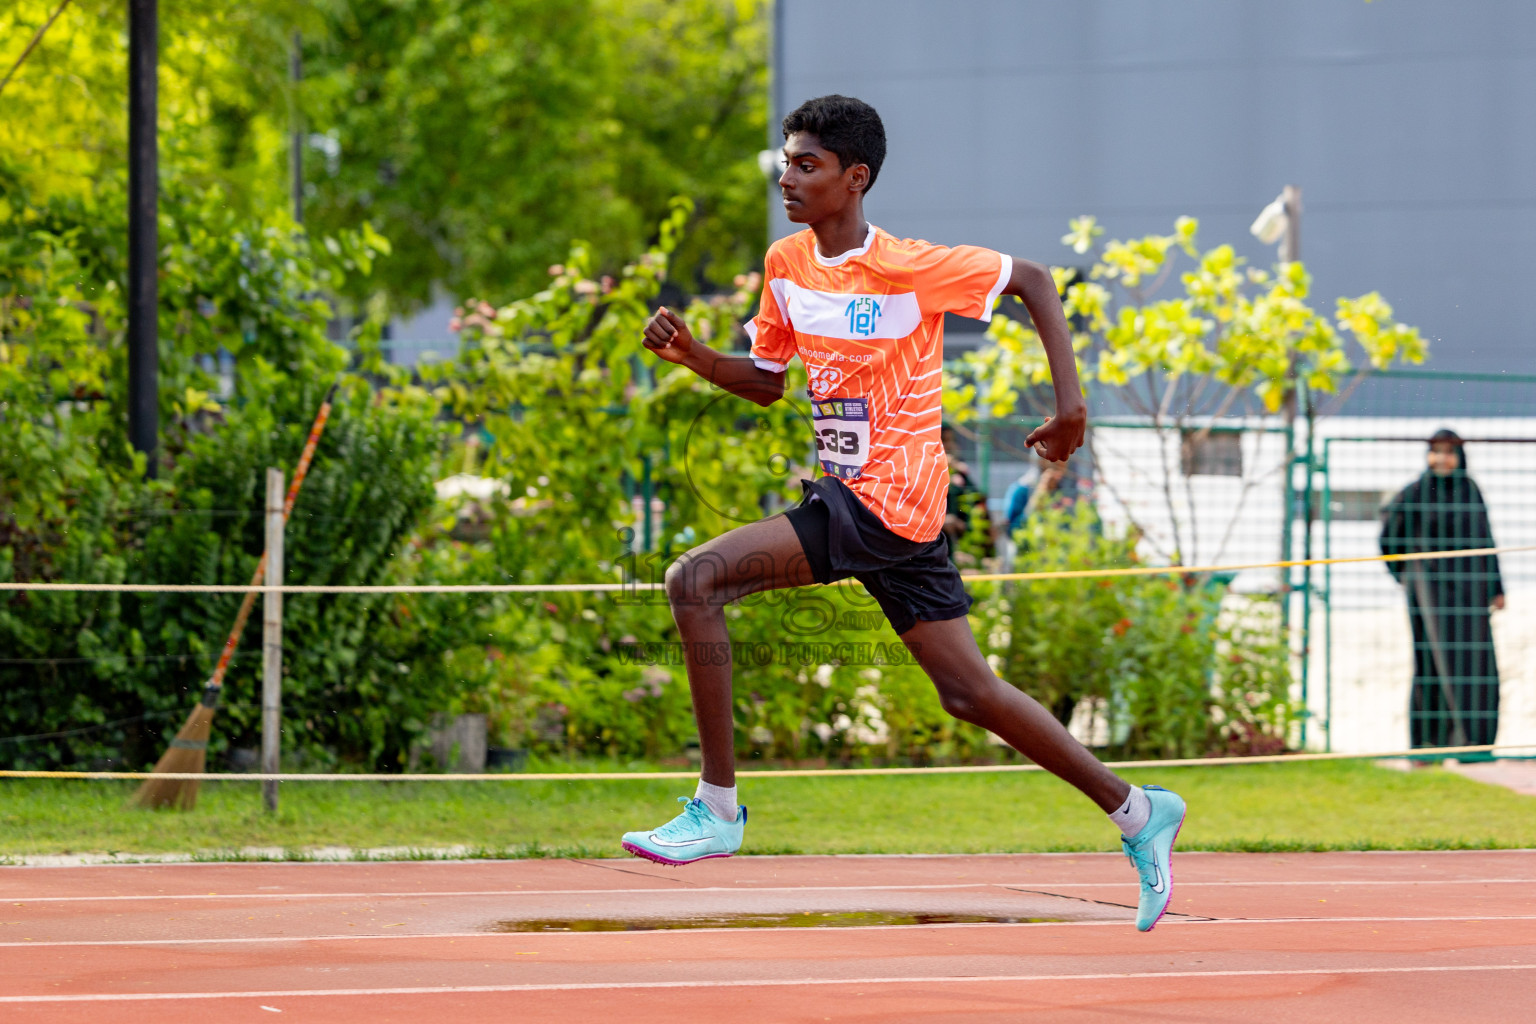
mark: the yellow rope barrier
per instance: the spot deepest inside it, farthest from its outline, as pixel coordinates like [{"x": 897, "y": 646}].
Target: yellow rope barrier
[
  {"x": 1156, "y": 570},
  {"x": 1429, "y": 753},
  {"x": 636, "y": 587}
]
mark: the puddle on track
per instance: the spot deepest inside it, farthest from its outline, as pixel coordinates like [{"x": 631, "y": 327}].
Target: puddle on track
[{"x": 832, "y": 919}]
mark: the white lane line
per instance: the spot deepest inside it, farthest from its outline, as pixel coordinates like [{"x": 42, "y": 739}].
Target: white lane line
[
  {"x": 1129, "y": 883},
  {"x": 593, "y": 986},
  {"x": 489, "y": 892},
  {"x": 530, "y": 936},
  {"x": 384, "y": 862},
  {"x": 1184, "y": 884}
]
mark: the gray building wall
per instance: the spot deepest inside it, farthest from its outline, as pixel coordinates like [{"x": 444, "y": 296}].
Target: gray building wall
[{"x": 1409, "y": 124}]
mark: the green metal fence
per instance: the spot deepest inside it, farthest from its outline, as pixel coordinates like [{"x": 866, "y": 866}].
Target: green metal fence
[
  {"x": 1381, "y": 659},
  {"x": 1439, "y": 651}
]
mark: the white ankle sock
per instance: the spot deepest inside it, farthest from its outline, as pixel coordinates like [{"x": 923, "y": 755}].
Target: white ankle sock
[
  {"x": 721, "y": 800},
  {"x": 1132, "y": 816}
]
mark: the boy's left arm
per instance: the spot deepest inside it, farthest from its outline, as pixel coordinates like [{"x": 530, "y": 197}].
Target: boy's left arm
[{"x": 1060, "y": 435}]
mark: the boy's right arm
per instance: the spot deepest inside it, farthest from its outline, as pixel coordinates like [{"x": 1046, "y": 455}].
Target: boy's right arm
[{"x": 669, "y": 337}]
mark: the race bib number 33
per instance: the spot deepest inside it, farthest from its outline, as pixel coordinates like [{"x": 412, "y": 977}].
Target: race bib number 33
[{"x": 842, "y": 435}]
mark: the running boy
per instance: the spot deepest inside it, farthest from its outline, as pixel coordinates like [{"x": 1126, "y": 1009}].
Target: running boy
[{"x": 864, "y": 311}]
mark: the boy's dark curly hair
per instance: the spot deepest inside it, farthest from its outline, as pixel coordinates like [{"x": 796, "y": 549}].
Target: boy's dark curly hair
[{"x": 846, "y": 126}]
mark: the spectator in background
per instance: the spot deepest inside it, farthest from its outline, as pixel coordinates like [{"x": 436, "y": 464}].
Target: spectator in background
[
  {"x": 1014, "y": 503},
  {"x": 1455, "y": 697},
  {"x": 1041, "y": 486},
  {"x": 1055, "y": 488},
  {"x": 1017, "y": 498},
  {"x": 963, "y": 501}
]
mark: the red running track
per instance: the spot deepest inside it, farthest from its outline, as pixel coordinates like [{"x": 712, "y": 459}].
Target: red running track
[{"x": 1349, "y": 937}]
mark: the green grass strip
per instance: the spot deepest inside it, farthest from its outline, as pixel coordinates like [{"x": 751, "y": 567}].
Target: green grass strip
[{"x": 1259, "y": 807}]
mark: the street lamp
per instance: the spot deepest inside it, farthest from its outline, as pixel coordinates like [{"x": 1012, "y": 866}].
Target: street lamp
[{"x": 1280, "y": 221}]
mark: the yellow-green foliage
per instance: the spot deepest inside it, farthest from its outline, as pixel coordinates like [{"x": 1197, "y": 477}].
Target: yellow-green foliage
[{"x": 1234, "y": 330}]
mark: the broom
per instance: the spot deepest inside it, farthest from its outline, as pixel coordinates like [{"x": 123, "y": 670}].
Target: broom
[{"x": 189, "y": 749}]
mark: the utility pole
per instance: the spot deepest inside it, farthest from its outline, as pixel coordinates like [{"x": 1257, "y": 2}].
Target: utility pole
[
  {"x": 1290, "y": 252},
  {"x": 1290, "y": 242},
  {"x": 770, "y": 160},
  {"x": 1281, "y": 221},
  {"x": 143, "y": 233}
]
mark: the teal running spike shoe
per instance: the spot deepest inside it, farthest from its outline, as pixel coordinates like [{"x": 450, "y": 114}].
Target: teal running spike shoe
[
  {"x": 696, "y": 834},
  {"x": 1152, "y": 852}
]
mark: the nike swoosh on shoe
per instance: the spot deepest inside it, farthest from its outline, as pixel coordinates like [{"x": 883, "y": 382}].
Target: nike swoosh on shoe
[
  {"x": 1158, "y": 888},
  {"x": 687, "y": 842}
]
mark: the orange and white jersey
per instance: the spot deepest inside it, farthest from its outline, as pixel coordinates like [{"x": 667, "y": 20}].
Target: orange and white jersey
[{"x": 869, "y": 327}]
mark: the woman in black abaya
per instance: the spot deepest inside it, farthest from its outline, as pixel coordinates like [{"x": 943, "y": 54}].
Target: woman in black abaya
[{"x": 1455, "y": 696}]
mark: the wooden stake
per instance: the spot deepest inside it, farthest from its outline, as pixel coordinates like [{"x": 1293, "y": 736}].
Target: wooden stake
[{"x": 272, "y": 642}]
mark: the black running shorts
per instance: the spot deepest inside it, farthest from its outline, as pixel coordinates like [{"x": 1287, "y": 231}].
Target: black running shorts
[{"x": 912, "y": 580}]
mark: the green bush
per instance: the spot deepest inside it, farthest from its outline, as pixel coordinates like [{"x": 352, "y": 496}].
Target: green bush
[
  {"x": 580, "y": 422},
  {"x": 582, "y": 428},
  {"x": 1167, "y": 666},
  {"x": 116, "y": 673},
  {"x": 597, "y": 676}
]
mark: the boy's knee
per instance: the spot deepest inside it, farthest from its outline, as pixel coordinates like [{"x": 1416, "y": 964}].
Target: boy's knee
[
  {"x": 687, "y": 584},
  {"x": 964, "y": 699}
]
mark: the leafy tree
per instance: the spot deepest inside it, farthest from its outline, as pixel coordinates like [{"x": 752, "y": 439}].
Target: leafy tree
[
  {"x": 223, "y": 94},
  {"x": 484, "y": 137},
  {"x": 1234, "y": 343}
]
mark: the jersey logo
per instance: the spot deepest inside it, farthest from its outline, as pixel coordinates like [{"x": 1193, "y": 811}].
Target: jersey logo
[
  {"x": 849, "y": 315},
  {"x": 823, "y": 380},
  {"x": 862, "y": 313}
]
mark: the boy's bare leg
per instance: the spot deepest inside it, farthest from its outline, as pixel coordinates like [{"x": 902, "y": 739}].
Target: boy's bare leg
[
  {"x": 971, "y": 692},
  {"x": 1149, "y": 818},
  {"x": 765, "y": 555}
]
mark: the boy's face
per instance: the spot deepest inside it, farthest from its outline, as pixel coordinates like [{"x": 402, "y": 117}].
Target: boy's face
[{"x": 814, "y": 184}]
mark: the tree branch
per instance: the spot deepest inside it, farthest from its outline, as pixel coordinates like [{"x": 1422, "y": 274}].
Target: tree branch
[
  {"x": 1233, "y": 393},
  {"x": 1103, "y": 479},
  {"x": 1337, "y": 402},
  {"x": 1154, "y": 400},
  {"x": 1168, "y": 396},
  {"x": 1242, "y": 498},
  {"x": 36, "y": 38},
  {"x": 1201, "y": 383},
  {"x": 1161, "y": 278},
  {"x": 1159, "y": 404},
  {"x": 1188, "y": 453}
]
